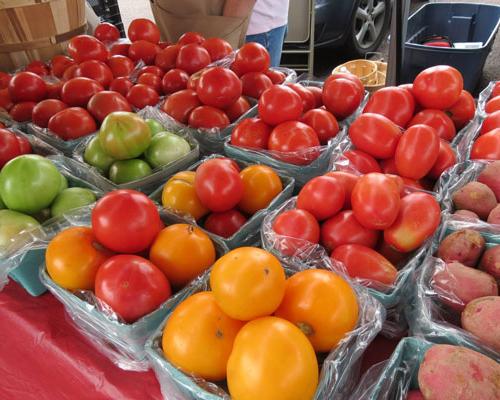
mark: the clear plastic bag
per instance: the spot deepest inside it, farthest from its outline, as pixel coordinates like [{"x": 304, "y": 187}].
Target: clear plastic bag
[
  {"x": 484, "y": 96},
  {"x": 37, "y": 145},
  {"x": 250, "y": 231},
  {"x": 339, "y": 370}
]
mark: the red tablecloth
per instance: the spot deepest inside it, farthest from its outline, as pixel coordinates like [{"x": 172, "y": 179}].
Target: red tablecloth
[{"x": 44, "y": 357}]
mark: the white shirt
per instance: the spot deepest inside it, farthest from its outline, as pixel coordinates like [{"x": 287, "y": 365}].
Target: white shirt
[{"x": 267, "y": 15}]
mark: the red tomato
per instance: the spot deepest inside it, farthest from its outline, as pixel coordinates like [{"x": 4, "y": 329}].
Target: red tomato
[
  {"x": 299, "y": 228},
  {"x": 375, "y": 201},
  {"x": 389, "y": 166},
  {"x": 446, "y": 159},
  {"x": 121, "y": 85},
  {"x": 9, "y": 147},
  {"x": 344, "y": 228},
  {"x": 103, "y": 103},
  {"x": 395, "y": 257},
  {"x": 276, "y": 77},
  {"x": 106, "y": 32},
  {"x": 24, "y": 145},
  {"x": 254, "y": 84},
  {"x": 217, "y": 48},
  {"x": 164, "y": 45},
  {"x": 174, "y": 81},
  {"x": 323, "y": 122},
  {"x": 72, "y": 123},
  {"x": 417, "y": 151},
  {"x": 120, "y": 66},
  {"x": 438, "y": 120},
  {"x": 193, "y": 80},
  {"x": 5, "y": 79},
  {"x": 38, "y": 67},
  {"x": 252, "y": 133},
  {"x": 348, "y": 181},
  {"x": 362, "y": 161},
  {"x": 226, "y": 223},
  {"x": 119, "y": 48},
  {"x": 375, "y": 134},
  {"x": 308, "y": 100},
  {"x": 438, "y": 87},
  {"x": 95, "y": 70},
  {"x": 418, "y": 219},
  {"x": 218, "y": 87},
  {"x": 251, "y": 57},
  {"x": 392, "y": 102},
  {"x": 192, "y": 58},
  {"x": 295, "y": 142},
  {"x": 84, "y": 47},
  {"x": 69, "y": 73},
  {"x": 141, "y": 96},
  {"x": 208, "y": 117},
  {"x": 179, "y": 105},
  {"x": 218, "y": 185},
  {"x": 365, "y": 263},
  {"x": 491, "y": 122},
  {"x": 21, "y": 112},
  {"x": 322, "y": 196},
  {"x": 279, "y": 104},
  {"x": 143, "y": 50},
  {"x": 143, "y": 29},
  {"x": 5, "y": 100},
  {"x": 166, "y": 58},
  {"x": 237, "y": 109},
  {"x": 78, "y": 91},
  {"x": 191, "y": 37},
  {"x": 151, "y": 69},
  {"x": 318, "y": 95},
  {"x": 27, "y": 86},
  {"x": 341, "y": 96},
  {"x": 54, "y": 90},
  {"x": 349, "y": 76},
  {"x": 496, "y": 91},
  {"x": 152, "y": 80},
  {"x": 132, "y": 286},
  {"x": 44, "y": 110},
  {"x": 492, "y": 105},
  {"x": 463, "y": 110},
  {"x": 126, "y": 221},
  {"x": 487, "y": 146}
]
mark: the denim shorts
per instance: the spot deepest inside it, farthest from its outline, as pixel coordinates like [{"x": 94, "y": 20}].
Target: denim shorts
[{"x": 272, "y": 41}]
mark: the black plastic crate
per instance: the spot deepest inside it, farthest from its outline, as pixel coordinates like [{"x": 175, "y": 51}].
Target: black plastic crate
[{"x": 108, "y": 11}]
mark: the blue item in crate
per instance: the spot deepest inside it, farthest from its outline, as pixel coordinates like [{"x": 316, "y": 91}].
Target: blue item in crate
[
  {"x": 461, "y": 22},
  {"x": 26, "y": 274}
]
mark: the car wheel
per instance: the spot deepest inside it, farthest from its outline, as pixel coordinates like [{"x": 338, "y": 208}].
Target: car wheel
[{"x": 369, "y": 27}]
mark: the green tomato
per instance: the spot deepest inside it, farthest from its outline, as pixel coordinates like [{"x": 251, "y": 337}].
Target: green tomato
[
  {"x": 165, "y": 148},
  {"x": 154, "y": 126},
  {"x": 97, "y": 157},
  {"x": 124, "y": 135},
  {"x": 29, "y": 183},
  {"x": 2, "y": 206},
  {"x": 70, "y": 199},
  {"x": 128, "y": 170},
  {"x": 64, "y": 183},
  {"x": 12, "y": 224}
]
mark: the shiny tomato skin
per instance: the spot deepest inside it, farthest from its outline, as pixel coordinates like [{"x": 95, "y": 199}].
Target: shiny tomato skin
[
  {"x": 261, "y": 185},
  {"x": 492, "y": 105},
  {"x": 276, "y": 77},
  {"x": 103, "y": 103},
  {"x": 192, "y": 58},
  {"x": 417, "y": 151},
  {"x": 294, "y": 142},
  {"x": 254, "y": 84},
  {"x": 344, "y": 228},
  {"x": 208, "y": 117},
  {"x": 225, "y": 224},
  {"x": 251, "y": 57},
  {"x": 106, "y": 32},
  {"x": 152, "y": 80},
  {"x": 491, "y": 122},
  {"x": 141, "y": 96},
  {"x": 121, "y": 85},
  {"x": 299, "y": 229},
  {"x": 131, "y": 285},
  {"x": 54, "y": 90},
  {"x": 5, "y": 100},
  {"x": 44, "y": 110},
  {"x": 341, "y": 96},
  {"x": 4, "y": 79},
  {"x": 9, "y": 147},
  {"x": 72, "y": 123},
  {"x": 279, "y": 104},
  {"x": 237, "y": 109},
  {"x": 37, "y": 67},
  {"x": 389, "y": 166},
  {"x": 174, "y": 81},
  {"x": 463, "y": 110},
  {"x": 252, "y": 133},
  {"x": 69, "y": 73},
  {"x": 166, "y": 58},
  {"x": 365, "y": 263},
  {"x": 217, "y": 48},
  {"x": 21, "y": 112},
  {"x": 143, "y": 29},
  {"x": 219, "y": 87},
  {"x": 84, "y": 47},
  {"x": 180, "y": 104},
  {"x": 438, "y": 87},
  {"x": 119, "y": 48},
  {"x": 191, "y": 37},
  {"x": 446, "y": 159},
  {"x": 349, "y": 76},
  {"x": 322, "y": 196},
  {"x": 438, "y": 120},
  {"x": 375, "y": 201},
  {"x": 120, "y": 66},
  {"x": 418, "y": 219},
  {"x": 487, "y": 146},
  {"x": 362, "y": 162},
  {"x": 308, "y": 99},
  {"x": 395, "y": 103},
  {"x": 323, "y": 122},
  {"x": 348, "y": 181},
  {"x": 143, "y": 50},
  {"x": 151, "y": 69},
  {"x": 375, "y": 134},
  {"x": 96, "y": 70},
  {"x": 27, "y": 86},
  {"x": 77, "y": 91}
]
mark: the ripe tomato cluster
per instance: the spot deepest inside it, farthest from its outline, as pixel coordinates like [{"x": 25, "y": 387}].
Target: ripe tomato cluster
[
  {"x": 252, "y": 305},
  {"x": 219, "y": 196},
  {"x": 12, "y": 145},
  {"x": 127, "y": 257},
  {"x": 487, "y": 145}
]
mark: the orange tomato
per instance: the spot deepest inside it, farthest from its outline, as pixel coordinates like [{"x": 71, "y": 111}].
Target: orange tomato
[
  {"x": 73, "y": 258},
  {"x": 180, "y": 196},
  {"x": 200, "y": 343},
  {"x": 322, "y": 305},
  {"x": 248, "y": 283},
  {"x": 272, "y": 359},
  {"x": 261, "y": 184},
  {"x": 182, "y": 252}
]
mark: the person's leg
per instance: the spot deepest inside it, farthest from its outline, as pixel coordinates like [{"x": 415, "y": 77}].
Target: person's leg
[
  {"x": 276, "y": 38},
  {"x": 260, "y": 38}
]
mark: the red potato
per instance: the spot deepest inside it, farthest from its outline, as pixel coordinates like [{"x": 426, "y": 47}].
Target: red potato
[
  {"x": 475, "y": 197},
  {"x": 481, "y": 317},
  {"x": 466, "y": 214},
  {"x": 453, "y": 372},
  {"x": 490, "y": 262},
  {"x": 464, "y": 246},
  {"x": 490, "y": 176},
  {"x": 457, "y": 285},
  {"x": 494, "y": 216}
]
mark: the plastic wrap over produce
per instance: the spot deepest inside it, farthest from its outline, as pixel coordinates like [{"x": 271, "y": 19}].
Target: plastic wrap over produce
[
  {"x": 484, "y": 96},
  {"x": 250, "y": 231},
  {"x": 65, "y": 146},
  {"x": 392, "y": 297},
  {"x": 339, "y": 370}
]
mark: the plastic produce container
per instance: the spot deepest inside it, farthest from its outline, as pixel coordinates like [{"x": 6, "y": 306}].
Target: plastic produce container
[{"x": 461, "y": 22}]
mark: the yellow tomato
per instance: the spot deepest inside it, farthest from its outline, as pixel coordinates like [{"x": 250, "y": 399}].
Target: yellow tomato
[{"x": 260, "y": 186}]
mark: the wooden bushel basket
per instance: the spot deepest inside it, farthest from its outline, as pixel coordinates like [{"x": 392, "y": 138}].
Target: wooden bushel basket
[{"x": 37, "y": 29}]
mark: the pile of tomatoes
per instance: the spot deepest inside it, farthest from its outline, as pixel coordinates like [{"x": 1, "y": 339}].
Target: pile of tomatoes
[
  {"x": 255, "y": 319},
  {"x": 220, "y": 196},
  {"x": 370, "y": 223},
  {"x": 295, "y": 120},
  {"x": 127, "y": 257},
  {"x": 12, "y": 145},
  {"x": 487, "y": 145}
]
